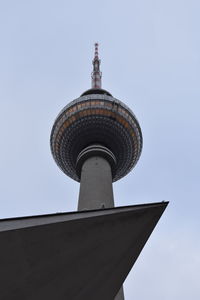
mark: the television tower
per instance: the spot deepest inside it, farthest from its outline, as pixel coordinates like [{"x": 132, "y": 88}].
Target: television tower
[{"x": 96, "y": 139}]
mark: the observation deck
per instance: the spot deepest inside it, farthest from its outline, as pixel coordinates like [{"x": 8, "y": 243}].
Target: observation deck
[{"x": 96, "y": 118}]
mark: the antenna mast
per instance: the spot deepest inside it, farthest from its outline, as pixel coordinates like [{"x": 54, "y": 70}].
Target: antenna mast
[{"x": 96, "y": 74}]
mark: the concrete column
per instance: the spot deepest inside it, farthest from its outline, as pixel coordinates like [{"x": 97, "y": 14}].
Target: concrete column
[{"x": 96, "y": 190}]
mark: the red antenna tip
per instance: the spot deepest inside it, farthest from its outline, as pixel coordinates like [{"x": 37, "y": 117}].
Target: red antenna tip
[{"x": 96, "y": 54}]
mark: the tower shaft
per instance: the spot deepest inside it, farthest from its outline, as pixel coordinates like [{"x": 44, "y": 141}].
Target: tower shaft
[{"x": 96, "y": 190}]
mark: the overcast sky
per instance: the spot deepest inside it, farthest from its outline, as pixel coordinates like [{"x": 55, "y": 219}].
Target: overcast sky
[{"x": 150, "y": 53}]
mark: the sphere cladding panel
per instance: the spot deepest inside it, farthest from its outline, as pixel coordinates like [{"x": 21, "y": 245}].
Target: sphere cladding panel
[{"x": 96, "y": 119}]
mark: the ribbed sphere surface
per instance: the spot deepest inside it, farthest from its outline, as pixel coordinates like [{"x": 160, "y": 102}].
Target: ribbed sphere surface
[{"x": 101, "y": 119}]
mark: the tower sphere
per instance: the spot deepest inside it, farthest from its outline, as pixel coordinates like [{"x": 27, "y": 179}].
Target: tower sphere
[{"x": 96, "y": 119}]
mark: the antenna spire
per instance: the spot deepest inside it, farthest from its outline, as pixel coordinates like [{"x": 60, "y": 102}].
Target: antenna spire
[{"x": 96, "y": 74}]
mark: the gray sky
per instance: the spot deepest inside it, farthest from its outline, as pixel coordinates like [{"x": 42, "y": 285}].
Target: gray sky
[{"x": 150, "y": 60}]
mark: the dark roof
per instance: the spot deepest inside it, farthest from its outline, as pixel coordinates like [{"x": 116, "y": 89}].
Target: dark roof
[
  {"x": 96, "y": 91},
  {"x": 81, "y": 255}
]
